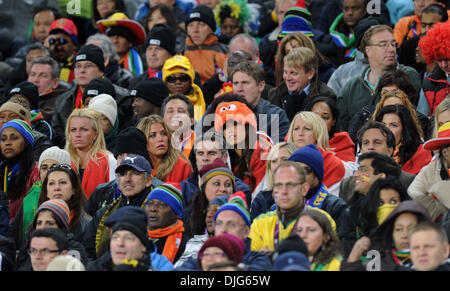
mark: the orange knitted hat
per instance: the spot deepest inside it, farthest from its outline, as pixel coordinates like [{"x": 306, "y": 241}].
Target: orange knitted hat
[{"x": 236, "y": 111}]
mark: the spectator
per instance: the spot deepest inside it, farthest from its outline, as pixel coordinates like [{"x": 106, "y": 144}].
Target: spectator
[
  {"x": 430, "y": 186},
  {"x": 102, "y": 9},
  {"x": 220, "y": 248},
  {"x": 43, "y": 17},
  {"x": 97, "y": 87},
  {"x": 106, "y": 107},
  {"x": 65, "y": 263},
  {"x": 18, "y": 169},
  {"x": 291, "y": 255},
  {"x": 126, "y": 35},
  {"x": 54, "y": 214},
  {"x": 441, "y": 116},
  {"x": 232, "y": 17},
  {"x": 168, "y": 164},
  {"x": 202, "y": 47},
  {"x": 179, "y": 75},
  {"x": 164, "y": 207},
  {"x": 409, "y": 152},
  {"x": 309, "y": 128},
  {"x": 301, "y": 82},
  {"x": 46, "y": 244},
  {"x": 87, "y": 148}
]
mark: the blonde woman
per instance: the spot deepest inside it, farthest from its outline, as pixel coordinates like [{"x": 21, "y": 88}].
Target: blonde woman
[
  {"x": 262, "y": 199},
  {"x": 86, "y": 146},
  {"x": 168, "y": 164},
  {"x": 309, "y": 128},
  {"x": 441, "y": 115}
]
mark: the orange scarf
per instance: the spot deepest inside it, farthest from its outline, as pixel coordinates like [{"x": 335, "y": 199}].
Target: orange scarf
[{"x": 174, "y": 234}]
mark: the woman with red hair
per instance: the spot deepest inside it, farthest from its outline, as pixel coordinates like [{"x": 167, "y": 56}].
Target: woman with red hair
[{"x": 435, "y": 47}]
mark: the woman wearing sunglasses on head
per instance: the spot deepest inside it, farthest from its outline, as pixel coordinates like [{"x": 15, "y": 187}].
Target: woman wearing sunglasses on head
[{"x": 179, "y": 75}]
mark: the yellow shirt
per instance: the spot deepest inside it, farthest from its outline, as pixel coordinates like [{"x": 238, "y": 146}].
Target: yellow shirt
[{"x": 333, "y": 265}]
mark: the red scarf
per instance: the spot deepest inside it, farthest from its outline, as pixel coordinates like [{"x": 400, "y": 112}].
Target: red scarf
[
  {"x": 79, "y": 99},
  {"x": 174, "y": 235}
]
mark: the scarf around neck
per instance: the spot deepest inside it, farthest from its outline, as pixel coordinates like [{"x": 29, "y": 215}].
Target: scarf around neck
[
  {"x": 341, "y": 39},
  {"x": 174, "y": 235}
]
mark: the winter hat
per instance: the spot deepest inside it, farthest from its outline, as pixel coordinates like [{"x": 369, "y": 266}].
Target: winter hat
[
  {"x": 136, "y": 225},
  {"x": 59, "y": 208},
  {"x": 169, "y": 194},
  {"x": 18, "y": 109},
  {"x": 217, "y": 167},
  {"x": 442, "y": 139},
  {"x": 152, "y": 90},
  {"x": 55, "y": 153},
  {"x": 93, "y": 53},
  {"x": 236, "y": 111},
  {"x": 125, "y": 211},
  {"x": 29, "y": 90},
  {"x": 106, "y": 105},
  {"x": 22, "y": 126},
  {"x": 65, "y": 263},
  {"x": 238, "y": 204},
  {"x": 99, "y": 86},
  {"x": 139, "y": 163},
  {"x": 293, "y": 243},
  {"x": 231, "y": 245},
  {"x": 120, "y": 24},
  {"x": 220, "y": 200},
  {"x": 362, "y": 26},
  {"x": 311, "y": 156},
  {"x": 162, "y": 35},
  {"x": 205, "y": 14},
  {"x": 66, "y": 26},
  {"x": 296, "y": 19},
  {"x": 133, "y": 141},
  {"x": 178, "y": 64},
  {"x": 291, "y": 261}
]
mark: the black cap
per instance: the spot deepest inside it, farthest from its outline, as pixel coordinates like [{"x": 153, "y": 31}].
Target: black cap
[
  {"x": 99, "y": 86},
  {"x": 136, "y": 225},
  {"x": 292, "y": 243},
  {"x": 93, "y": 53},
  {"x": 203, "y": 13},
  {"x": 152, "y": 90},
  {"x": 132, "y": 141},
  {"x": 162, "y": 35},
  {"x": 362, "y": 26},
  {"x": 28, "y": 90}
]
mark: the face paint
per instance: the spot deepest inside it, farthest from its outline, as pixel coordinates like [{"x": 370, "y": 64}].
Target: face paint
[{"x": 365, "y": 178}]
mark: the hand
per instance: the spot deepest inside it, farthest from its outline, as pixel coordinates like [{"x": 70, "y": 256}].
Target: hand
[{"x": 362, "y": 245}]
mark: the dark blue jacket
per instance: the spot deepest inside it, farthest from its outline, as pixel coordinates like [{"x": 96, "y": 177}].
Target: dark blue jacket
[{"x": 254, "y": 261}]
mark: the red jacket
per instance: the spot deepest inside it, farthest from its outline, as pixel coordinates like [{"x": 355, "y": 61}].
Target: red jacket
[
  {"x": 180, "y": 172},
  {"x": 421, "y": 158},
  {"x": 334, "y": 169},
  {"x": 343, "y": 146}
]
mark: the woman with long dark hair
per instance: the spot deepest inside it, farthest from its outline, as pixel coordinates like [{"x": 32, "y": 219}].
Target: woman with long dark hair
[{"x": 409, "y": 152}]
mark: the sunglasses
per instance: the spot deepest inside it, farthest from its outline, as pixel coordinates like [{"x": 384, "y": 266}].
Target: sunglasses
[
  {"x": 182, "y": 78},
  {"x": 60, "y": 40},
  {"x": 60, "y": 167}
]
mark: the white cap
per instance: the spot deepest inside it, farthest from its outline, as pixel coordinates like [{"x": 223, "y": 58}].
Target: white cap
[
  {"x": 55, "y": 153},
  {"x": 106, "y": 105}
]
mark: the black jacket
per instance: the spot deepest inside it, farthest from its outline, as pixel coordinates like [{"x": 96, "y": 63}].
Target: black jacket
[
  {"x": 105, "y": 263},
  {"x": 118, "y": 75}
]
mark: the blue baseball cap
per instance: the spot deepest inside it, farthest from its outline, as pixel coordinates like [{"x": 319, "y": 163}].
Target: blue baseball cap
[{"x": 139, "y": 163}]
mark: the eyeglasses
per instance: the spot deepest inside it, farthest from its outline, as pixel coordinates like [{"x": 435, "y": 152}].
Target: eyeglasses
[
  {"x": 61, "y": 166},
  {"x": 44, "y": 252},
  {"x": 60, "y": 40},
  {"x": 289, "y": 186},
  {"x": 182, "y": 78},
  {"x": 386, "y": 44}
]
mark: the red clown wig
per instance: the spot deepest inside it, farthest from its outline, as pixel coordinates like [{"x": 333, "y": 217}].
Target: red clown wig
[{"x": 436, "y": 43}]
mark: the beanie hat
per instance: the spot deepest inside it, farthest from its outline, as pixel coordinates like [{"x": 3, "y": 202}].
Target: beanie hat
[
  {"x": 311, "y": 156},
  {"x": 55, "y": 153},
  {"x": 178, "y": 64},
  {"x": 205, "y": 14},
  {"x": 238, "y": 204},
  {"x": 99, "y": 86},
  {"x": 163, "y": 36},
  {"x": 18, "y": 109},
  {"x": 106, "y": 105},
  {"x": 293, "y": 243},
  {"x": 136, "y": 225},
  {"x": 59, "y": 208},
  {"x": 292, "y": 261},
  {"x": 231, "y": 245},
  {"x": 66, "y": 26},
  {"x": 236, "y": 111},
  {"x": 297, "y": 19},
  {"x": 217, "y": 167},
  {"x": 93, "y": 53},
  {"x": 22, "y": 126},
  {"x": 65, "y": 263},
  {"x": 169, "y": 194},
  {"x": 362, "y": 26},
  {"x": 152, "y": 90},
  {"x": 29, "y": 90},
  {"x": 125, "y": 211},
  {"x": 133, "y": 141}
]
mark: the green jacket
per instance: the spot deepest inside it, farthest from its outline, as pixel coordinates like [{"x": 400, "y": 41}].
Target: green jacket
[
  {"x": 30, "y": 206},
  {"x": 356, "y": 94}
]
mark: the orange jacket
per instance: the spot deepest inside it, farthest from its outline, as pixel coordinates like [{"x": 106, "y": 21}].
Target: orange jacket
[
  {"x": 180, "y": 172},
  {"x": 203, "y": 58}
]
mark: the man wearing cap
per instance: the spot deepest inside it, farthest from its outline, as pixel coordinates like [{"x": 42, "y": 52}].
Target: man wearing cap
[
  {"x": 63, "y": 41},
  {"x": 125, "y": 34},
  {"x": 164, "y": 207},
  {"x": 148, "y": 96},
  {"x": 202, "y": 47},
  {"x": 135, "y": 182},
  {"x": 310, "y": 158}
]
